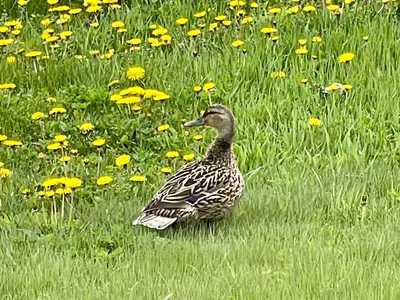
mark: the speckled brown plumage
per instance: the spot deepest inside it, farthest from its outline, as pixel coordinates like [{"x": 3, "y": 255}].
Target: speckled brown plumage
[{"x": 205, "y": 189}]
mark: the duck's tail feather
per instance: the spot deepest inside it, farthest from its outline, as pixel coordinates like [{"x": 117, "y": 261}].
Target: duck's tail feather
[{"x": 153, "y": 221}]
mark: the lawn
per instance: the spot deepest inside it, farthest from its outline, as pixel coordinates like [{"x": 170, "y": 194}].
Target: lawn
[{"x": 92, "y": 101}]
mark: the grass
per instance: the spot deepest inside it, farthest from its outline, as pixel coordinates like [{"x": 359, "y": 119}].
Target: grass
[{"x": 319, "y": 218}]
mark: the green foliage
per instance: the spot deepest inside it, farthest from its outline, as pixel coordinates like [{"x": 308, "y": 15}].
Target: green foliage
[{"x": 319, "y": 218}]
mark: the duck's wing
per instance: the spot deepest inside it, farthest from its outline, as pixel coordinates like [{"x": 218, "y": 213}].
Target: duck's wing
[{"x": 188, "y": 185}]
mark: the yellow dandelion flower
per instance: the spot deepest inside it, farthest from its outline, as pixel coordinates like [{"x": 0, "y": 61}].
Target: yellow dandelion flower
[
  {"x": 274, "y": 11},
  {"x": 12, "y": 143},
  {"x": 94, "y": 52},
  {"x": 197, "y": 88},
  {"x": 220, "y": 18},
  {"x": 346, "y": 57},
  {"x": 226, "y": 23},
  {"x": 301, "y": 51},
  {"x": 304, "y": 80},
  {"x": 57, "y": 110},
  {"x": 365, "y": 38},
  {"x": 37, "y": 115},
  {"x": 314, "y": 122},
  {"x": 98, "y": 142},
  {"x": 269, "y": 30},
  {"x": 49, "y": 194},
  {"x": 347, "y": 87},
  {"x": 94, "y": 24},
  {"x": 237, "y": 43},
  {"x": 54, "y": 146},
  {"x": 128, "y": 100},
  {"x": 237, "y": 3},
  {"x": 166, "y": 170},
  {"x": 3, "y": 29},
  {"x": 115, "y": 97},
  {"x": 103, "y": 180},
  {"x": 247, "y": 20},
  {"x": 181, "y": 21},
  {"x": 198, "y": 137},
  {"x": 134, "y": 41},
  {"x": 208, "y": 86},
  {"x": 309, "y": 8},
  {"x": 33, "y": 54},
  {"x": 278, "y": 74},
  {"x": 188, "y": 157},
  {"x": 160, "y": 96},
  {"x": 86, "y": 127},
  {"x": 194, "y": 32},
  {"x": 136, "y": 108},
  {"x": 66, "y": 34},
  {"x": 60, "y": 138},
  {"x": 93, "y": 8},
  {"x": 5, "y": 42},
  {"x": 135, "y": 73},
  {"x": 75, "y": 11},
  {"x": 7, "y": 86},
  {"x": 61, "y": 8},
  {"x": 138, "y": 178},
  {"x": 333, "y": 7},
  {"x": 316, "y": 39},
  {"x": 65, "y": 158},
  {"x": 172, "y": 154},
  {"x": 41, "y": 194},
  {"x": 2, "y": 137},
  {"x": 117, "y": 24},
  {"x": 113, "y": 82},
  {"x": 253, "y": 4},
  {"x": 73, "y": 182},
  {"x": 4, "y": 172},
  {"x": 122, "y": 160},
  {"x": 63, "y": 191},
  {"x": 22, "y": 2},
  {"x": 163, "y": 127},
  {"x": 200, "y": 14}
]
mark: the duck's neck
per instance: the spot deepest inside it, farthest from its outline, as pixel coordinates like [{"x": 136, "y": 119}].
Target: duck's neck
[{"x": 221, "y": 149}]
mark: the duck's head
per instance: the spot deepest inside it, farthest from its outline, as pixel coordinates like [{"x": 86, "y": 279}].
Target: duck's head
[{"x": 219, "y": 117}]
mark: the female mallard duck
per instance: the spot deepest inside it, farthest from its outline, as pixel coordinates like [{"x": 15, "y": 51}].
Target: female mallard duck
[{"x": 204, "y": 189}]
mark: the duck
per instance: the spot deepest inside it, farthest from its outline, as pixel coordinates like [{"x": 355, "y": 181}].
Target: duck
[{"x": 205, "y": 189}]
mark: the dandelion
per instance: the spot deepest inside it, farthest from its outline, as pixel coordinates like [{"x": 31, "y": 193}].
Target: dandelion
[
  {"x": 172, "y": 154},
  {"x": 86, "y": 127},
  {"x": 200, "y": 14},
  {"x": 41, "y": 194},
  {"x": 366, "y": 38},
  {"x": 301, "y": 51},
  {"x": 188, "y": 157},
  {"x": 103, "y": 180},
  {"x": 57, "y": 110},
  {"x": 197, "y": 88},
  {"x": 49, "y": 194},
  {"x": 237, "y": 3},
  {"x": 347, "y": 87},
  {"x": 226, "y": 23},
  {"x": 7, "y": 86},
  {"x": 269, "y": 30},
  {"x": 253, "y": 4},
  {"x": 136, "y": 108},
  {"x": 122, "y": 160},
  {"x": 65, "y": 158},
  {"x": 160, "y": 96},
  {"x": 208, "y": 86},
  {"x": 54, "y": 146},
  {"x": 73, "y": 182},
  {"x": 75, "y": 11},
  {"x": 314, "y": 122},
  {"x": 134, "y": 41},
  {"x": 37, "y": 115},
  {"x": 247, "y": 20},
  {"x": 197, "y": 137},
  {"x": 65, "y": 34},
  {"x": 94, "y": 24},
  {"x": 4, "y": 172},
  {"x": 138, "y": 178},
  {"x": 316, "y": 39},
  {"x": 135, "y": 73},
  {"x": 304, "y": 80},
  {"x": 63, "y": 191},
  {"x": 60, "y": 138},
  {"x": 237, "y": 43},
  {"x": 346, "y": 57},
  {"x": 2, "y": 137},
  {"x": 98, "y": 142},
  {"x": 5, "y": 42},
  {"x": 163, "y": 127},
  {"x": 166, "y": 170},
  {"x": 181, "y": 21},
  {"x": 94, "y": 52},
  {"x": 117, "y": 24},
  {"x": 12, "y": 143},
  {"x": 11, "y": 59},
  {"x": 93, "y": 8},
  {"x": 274, "y": 11},
  {"x": 194, "y": 32},
  {"x": 292, "y": 10},
  {"x": 278, "y": 74},
  {"x": 309, "y": 8}
]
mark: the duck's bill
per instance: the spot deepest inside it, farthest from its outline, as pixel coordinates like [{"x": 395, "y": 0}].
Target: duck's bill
[{"x": 195, "y": 122}]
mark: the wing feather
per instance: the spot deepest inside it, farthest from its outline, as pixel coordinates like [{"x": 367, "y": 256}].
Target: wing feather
[{"x": 187, "y": 186}]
